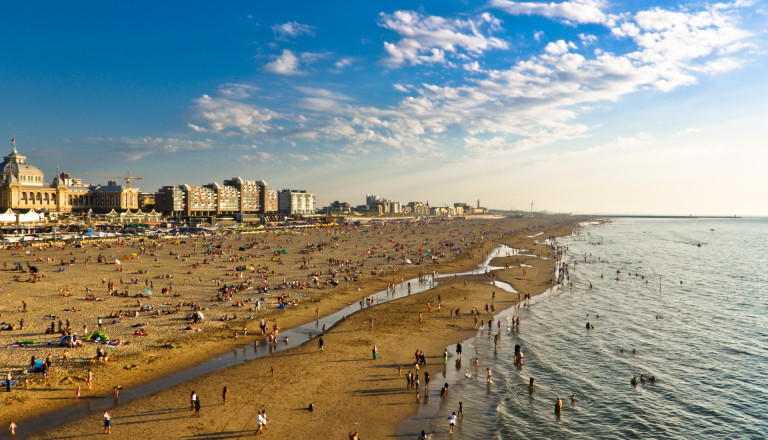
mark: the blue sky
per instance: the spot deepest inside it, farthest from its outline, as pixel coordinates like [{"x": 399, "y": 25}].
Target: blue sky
[{"x": 583, "y": 106}]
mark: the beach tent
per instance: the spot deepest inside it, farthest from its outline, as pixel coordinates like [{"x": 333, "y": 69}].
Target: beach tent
[
  {"x": 97, "y": 335},
  {"x": 31, "y": 217},
  {"x": 8, "y": 217}
]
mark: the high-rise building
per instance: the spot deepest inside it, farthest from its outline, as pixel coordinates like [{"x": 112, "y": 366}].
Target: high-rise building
[
  {"x": 296, "y": 202},
  {"x": 235, "y": 197}
]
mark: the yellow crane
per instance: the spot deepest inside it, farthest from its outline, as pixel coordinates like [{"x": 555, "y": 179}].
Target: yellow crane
[{"x": 127, "y": 177}]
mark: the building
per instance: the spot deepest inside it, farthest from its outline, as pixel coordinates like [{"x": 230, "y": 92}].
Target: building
[
  {"x": 372, "y": 200},
  {"x": 22, "y": 187},
  {"x": 418, "y": 208},
  {"x": 341, "y": 207},
  {"x": 236, "y": 197},
  {"x": 295, "y": 202},
  {"x": 146, "y": 201}
]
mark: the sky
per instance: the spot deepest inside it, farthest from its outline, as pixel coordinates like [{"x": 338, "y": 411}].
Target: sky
[{"x": 582, "y": 106}]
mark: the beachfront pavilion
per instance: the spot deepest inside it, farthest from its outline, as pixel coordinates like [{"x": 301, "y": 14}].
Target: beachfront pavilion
[{"x": 22, "y": 188}]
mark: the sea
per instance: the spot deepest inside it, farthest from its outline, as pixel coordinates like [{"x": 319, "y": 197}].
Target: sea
[{"x": 682, "y": 300}]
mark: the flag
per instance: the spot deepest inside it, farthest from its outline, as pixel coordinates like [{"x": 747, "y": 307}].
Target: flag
[{"x": 13, "y": 141}]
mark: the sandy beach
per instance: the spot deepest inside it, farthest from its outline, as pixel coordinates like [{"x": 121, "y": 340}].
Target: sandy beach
[{"x": 315, "y": 272}]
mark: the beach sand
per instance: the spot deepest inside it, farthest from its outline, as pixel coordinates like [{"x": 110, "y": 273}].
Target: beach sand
[{"x": 348, "y": 389}]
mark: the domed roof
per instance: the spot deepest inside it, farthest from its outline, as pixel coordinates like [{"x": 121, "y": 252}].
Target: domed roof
[{"x": 15, "y": 169}]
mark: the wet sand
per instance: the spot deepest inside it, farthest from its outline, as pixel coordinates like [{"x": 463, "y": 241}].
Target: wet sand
[{"x": 345, "y": 385}]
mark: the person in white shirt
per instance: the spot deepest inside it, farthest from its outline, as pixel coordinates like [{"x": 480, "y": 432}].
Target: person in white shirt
[{"x": 452, "y": 421}]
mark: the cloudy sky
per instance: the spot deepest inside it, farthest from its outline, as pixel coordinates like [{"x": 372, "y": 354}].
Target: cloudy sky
[{"x": 584, "y": 106}]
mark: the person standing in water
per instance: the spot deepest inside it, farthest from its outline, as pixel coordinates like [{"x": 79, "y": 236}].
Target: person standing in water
[{"x": 451, "y": 422}]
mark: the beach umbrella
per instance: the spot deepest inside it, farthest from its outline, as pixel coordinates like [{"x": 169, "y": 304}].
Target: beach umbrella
[
  {"x": 200, "y": 314},
  {"x": 148, "y": 291},
  {"x": 118, "y": 262},
  {"x": 34, "y": 269}
]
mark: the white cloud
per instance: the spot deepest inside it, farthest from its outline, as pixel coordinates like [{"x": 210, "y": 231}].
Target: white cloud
[
  {"x": 342, "y": 63},
  {"x": 537, "y": 101},
  {"x": 292, "y": 29},
  {"x": 400, "y": 87},
  {"x": 260, "y": 156},
  {"x": 133, "y": 149},
  {"x": 474, "y": 66},
  {"x": 323, "y": 93},
  {"x": 220, "y": 115},
  {"x": 429, "y": 39},
  {"x": 578, "y": 11},
  {"x": 237, "y": 91},
  {"x": 285, "y": 64},
  {"x": 587, "y": 39},
  {"x": 290, "y": 64},
  {"x": 297, "y": 157},
  {"x": 559, "y": 47}
]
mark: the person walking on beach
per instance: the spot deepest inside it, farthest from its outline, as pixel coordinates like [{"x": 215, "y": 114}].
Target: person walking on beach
[
  {"x": 197, "y": 406},
  {"x": 192, "y": 399},
  {"x": 224, "y": 395},
  {"x": 259, "y": 422},
  {"x": 374, "y": 352},
  {"x": 451, "y": 422},
  {"x": 89, "y": 382},
  {"x": 107, "y": 423},
  {"x": 12, "y": 429}
]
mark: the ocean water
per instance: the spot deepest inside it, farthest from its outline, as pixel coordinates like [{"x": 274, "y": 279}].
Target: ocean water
[{"x": 695, "y": 317}]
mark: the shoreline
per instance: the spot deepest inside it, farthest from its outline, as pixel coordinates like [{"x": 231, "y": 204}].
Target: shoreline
[{"x": 218, "y": 344}]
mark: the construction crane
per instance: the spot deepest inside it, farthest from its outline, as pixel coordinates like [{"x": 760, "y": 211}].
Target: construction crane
[{"x": 127, "y": 177}]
